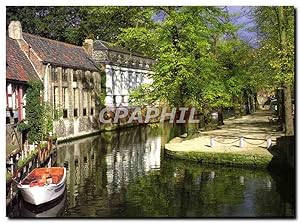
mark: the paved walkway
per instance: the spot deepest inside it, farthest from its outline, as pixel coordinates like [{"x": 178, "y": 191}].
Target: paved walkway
[{"x": 255, "y": 129}]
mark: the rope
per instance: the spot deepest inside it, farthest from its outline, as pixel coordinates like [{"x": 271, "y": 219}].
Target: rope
[
  {"x": 227, "y": 142},
  {"x": 255, "y": 144}
]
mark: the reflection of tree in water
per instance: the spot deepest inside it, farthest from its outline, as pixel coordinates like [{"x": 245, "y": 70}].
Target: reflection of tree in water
[
  {"x": 283, "y": 185},
  {"x": 112, "y": 179},
  {"x": 183, "y": 190}
]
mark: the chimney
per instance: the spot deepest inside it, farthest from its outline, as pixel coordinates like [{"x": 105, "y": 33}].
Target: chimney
[
  {"x": 88, "y": 46},
  {"x": 15, "y": 30}
]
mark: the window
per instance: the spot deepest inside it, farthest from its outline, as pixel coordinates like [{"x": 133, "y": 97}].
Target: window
[
  {"x": 75, "y": 112},
  {"x": 54, "y": 74},
  {"x": 8, "y": 116},
  {"x": 92, "y": 111},
  {"x": 75, "y": 77},
  {"x": 75, "y": 100},
  {"x": 122, "y": 81},
  {"x": 65, "y": 111},
  {"x": 65, "y": 101},
  {"x": 129, "y": 80},
  {"x": 85, "y": 102},
  {"x": 55, "y": 97},
  {"x": 64, "y": 74},
  {"x": 84, "y": 83}
]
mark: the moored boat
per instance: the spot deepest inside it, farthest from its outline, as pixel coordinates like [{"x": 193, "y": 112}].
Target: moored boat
[
  {"x": 43, "y": 185},
  {"x": 49, "y": 210}
]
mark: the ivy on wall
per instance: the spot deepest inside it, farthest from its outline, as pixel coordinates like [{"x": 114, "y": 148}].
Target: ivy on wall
[{"x": 34, "y": 111}]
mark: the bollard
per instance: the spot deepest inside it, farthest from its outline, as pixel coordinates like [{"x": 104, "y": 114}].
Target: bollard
[
  {"x": 212, "y": 175},
  {"x": 242, "y": 180},
  {"x": 269, "y": 184},
  {"x": 212, "y": 141},
  {"x": 12, "y": 166},
  {"x": 269, "y": 143},
  {"x": 242, "y": 142}
]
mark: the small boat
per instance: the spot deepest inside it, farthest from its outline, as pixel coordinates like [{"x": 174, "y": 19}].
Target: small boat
[
  {"x": 43, "y": 185},
  {"x": 51, "y": 209}
]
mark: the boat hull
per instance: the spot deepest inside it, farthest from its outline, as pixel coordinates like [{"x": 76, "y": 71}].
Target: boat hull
[
  {"x": 49, "y": 210},
  {"x": 42, "y": 194}
]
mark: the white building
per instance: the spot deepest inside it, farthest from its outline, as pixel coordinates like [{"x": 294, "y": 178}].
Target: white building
[{"x": 124, "y": 70}]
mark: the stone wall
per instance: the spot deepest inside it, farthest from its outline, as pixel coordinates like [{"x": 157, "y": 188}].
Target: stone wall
[
  {"x": 79, "y": 91},
  {"x": 68, "y": 128}
]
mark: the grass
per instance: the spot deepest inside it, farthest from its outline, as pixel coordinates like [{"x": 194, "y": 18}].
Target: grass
[{"x": 228, "y": 159}]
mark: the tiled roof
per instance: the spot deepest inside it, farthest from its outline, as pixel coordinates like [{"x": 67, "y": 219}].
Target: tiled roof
[
  {"x": 18, "y": 66},
  {"x": 115, "y": 48},
  {"x": 59, "y": 53}
]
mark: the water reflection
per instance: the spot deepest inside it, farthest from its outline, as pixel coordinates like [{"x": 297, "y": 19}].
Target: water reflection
[
  {"x": 124, "y": 174},
  {"x": 51, "y": 210}
]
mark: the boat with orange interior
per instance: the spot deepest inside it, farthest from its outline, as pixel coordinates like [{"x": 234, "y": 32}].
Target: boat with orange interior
[{"x": 43, "y": 185}]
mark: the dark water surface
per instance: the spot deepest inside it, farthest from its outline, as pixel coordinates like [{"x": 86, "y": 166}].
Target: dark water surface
[{"x": 124, "y": 174}]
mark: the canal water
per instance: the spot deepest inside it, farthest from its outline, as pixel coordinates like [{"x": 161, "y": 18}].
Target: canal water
[{"x": 124, "y": 174}]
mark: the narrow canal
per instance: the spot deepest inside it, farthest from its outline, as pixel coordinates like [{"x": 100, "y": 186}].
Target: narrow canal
[{"x": 125, "y": 174}]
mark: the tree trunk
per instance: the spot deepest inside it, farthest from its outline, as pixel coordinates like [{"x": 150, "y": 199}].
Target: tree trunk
[
  {"x": 241, "y": 103},
  {"x": 287, "y": 99},
  {"x": 236, "y": 107},
  {"x": 288, "y": 117},
  {"x": 280, "y": 108},
  {"x": 220, "y": 116}
]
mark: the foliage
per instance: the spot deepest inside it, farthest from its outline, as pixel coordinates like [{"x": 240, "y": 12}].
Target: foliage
[
  {"x": 8, "y": 175},
  {"x": 273, "y": 55},
  {"x": 43, "y": 145},
  {"x": 276, "y": 27},
  {"x": 73, "y": 24},
  {"x": 143, "y": 95},
  {"x": 47, "y": 119},
  {"x": 31, "y": 155},
  {"x": 22, "y": 126},
  {"x": 34, "y": 111},
  {"x": 199, "y": 61}
]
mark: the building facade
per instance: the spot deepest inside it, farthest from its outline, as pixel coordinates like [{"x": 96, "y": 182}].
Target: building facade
[
  {"x": 19, "y": 71},
  {"x": 124, "y": 70},
  {"x": 70, "y": 78}
]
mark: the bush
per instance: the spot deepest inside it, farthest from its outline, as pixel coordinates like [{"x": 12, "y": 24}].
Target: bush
[{"x": 34, "y": 111}]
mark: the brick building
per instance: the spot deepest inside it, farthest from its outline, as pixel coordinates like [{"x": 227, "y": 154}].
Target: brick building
[
  {"x": 70, "y": 78},
  {"x": 19, "y": 71}
]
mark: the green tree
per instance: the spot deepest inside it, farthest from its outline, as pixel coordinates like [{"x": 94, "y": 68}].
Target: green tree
[
  {"x": 275, "y": 26},
  {"x": 197, "y": 63},
  {"x": 73, "y": 24}
]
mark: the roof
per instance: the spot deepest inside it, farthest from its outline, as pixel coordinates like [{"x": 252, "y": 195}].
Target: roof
[
  {"x": 115, "y": 48},
  {"x": 59, "y": 53},
  {"x": 18, "y": 66}
]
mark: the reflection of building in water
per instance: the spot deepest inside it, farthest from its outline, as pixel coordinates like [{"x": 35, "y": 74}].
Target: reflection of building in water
[
  {"x": 130, "y": 160},
  {"x": 79, "y": 158},
  {"x": 100, "y": 167}
]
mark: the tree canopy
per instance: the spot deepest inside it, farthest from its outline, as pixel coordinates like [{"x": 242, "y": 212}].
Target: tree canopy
[{"x": 200, "y": 59}]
